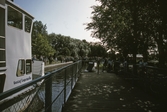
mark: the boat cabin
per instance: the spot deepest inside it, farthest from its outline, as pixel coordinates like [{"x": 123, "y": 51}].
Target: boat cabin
[{"x": 15, "y": 45}]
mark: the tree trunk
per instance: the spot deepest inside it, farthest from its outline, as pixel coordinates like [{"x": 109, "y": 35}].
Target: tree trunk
[
  {"x": 134, "y": 16},
  {"x": 161, "y": 55}
]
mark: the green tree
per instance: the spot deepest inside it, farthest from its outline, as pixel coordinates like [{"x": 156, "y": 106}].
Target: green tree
[
  {"x": 65, "y": 51},
  {"x": 131, "y": 26},
  {"x": 67, "y": 46},
  {"x": 83, "y": 47},
  {"x": 38, "y": 29},
  {"x": 42, "y": 47},
  {"x": 97, "y": 50},
  {"x": 114, "y": 22},
  {"x": 62, "y": 44}
]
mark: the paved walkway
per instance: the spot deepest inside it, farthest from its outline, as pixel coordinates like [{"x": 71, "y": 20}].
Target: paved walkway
[{"x": 107, "y": 92}]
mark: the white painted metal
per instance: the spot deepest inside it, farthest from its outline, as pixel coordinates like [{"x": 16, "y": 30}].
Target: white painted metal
[
  {"x": 18, "y": 46},
  {"x": 38, "y": 68}
]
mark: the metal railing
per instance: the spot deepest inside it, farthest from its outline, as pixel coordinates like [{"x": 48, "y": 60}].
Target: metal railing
[
  {"x": 151, "y": 79},
  {"x": 49, "y": 92}
]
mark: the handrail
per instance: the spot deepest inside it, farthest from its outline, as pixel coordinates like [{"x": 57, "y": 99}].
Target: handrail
[{"x": 21, "y": 87}]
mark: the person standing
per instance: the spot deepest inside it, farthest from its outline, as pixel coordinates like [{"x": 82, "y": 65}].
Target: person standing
[{"x": 104, "y": 64}]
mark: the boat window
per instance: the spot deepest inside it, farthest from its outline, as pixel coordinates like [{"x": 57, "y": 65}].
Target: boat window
[
  {"x": 28, "y": 23},
  {"x": 2, "y": 58},
  {"x": 2, "y": 38},
  {"x": 2, "y": 82},
  {"x": 28, "y": 66},
  {"x": 14, "y": 18},
  {"x": 2, "y": 55},
  {"x": 2, "y": 43},
  {"x": 2, "y": 22},
  {"x": 20, "y": 68}
]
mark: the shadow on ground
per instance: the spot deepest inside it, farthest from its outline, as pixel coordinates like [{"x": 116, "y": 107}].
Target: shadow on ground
[{"x": 106, "y": 92}]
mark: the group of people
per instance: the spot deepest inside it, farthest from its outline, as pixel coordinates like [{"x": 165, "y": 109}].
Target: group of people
[
  {"x": 110, "y": 65},
  {"x": 142, "y": 63},
  {"x": 107, "y": 64}
]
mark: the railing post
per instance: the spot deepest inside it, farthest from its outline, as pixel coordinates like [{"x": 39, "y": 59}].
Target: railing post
[
  {"x": 72, "y": 77},
  {"x": 98, "y": 63},
  {"x": 76, "y": 72},
  {"x": 48, "y": 94},
  {"x": 65, "y": 87},
  {"x": 80, "y": 67}
]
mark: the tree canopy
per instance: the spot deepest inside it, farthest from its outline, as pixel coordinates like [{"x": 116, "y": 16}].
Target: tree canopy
[
  {"x": 44, "y": 44},
  {"x": 131, "y": 26},
  {"x": 40, "y": 45}
]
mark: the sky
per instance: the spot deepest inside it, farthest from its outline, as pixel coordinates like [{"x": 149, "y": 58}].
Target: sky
[{"x": 65, "y": 17}]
